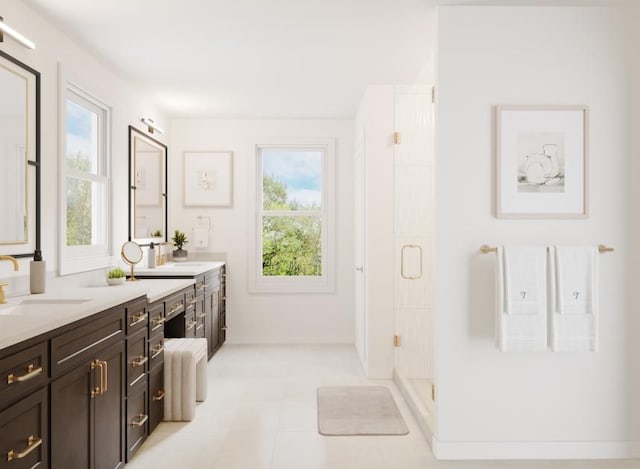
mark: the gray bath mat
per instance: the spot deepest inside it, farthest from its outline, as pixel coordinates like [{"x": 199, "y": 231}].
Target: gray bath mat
[{"x": 358, "y": 410}]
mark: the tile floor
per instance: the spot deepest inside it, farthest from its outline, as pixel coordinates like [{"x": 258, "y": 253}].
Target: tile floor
[{"x": 261, "y": 413}]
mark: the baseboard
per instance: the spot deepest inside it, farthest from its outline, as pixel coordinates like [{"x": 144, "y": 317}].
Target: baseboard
[{"x": 535, "y": 450}]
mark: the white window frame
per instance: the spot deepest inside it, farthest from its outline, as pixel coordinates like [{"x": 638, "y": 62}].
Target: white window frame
[
  {"x": 74, "y": 259},
  {"x": 324, "y": 283}
]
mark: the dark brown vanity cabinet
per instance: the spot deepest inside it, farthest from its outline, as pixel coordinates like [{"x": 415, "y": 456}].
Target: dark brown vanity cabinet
[
  {"x": 137, "y": 391},
  {"x": 156, "y": 364},
  {"x": 87, "y": 393},
  {"x": 24, "y": 416},
  {"x": 204, "y": 308}
]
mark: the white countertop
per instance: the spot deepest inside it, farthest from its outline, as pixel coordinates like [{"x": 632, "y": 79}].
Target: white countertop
[
  {"x": 27, "y": 316},
  {"x": 178, "y": 269}
]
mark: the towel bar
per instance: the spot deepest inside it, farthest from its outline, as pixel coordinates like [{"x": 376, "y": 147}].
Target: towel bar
[{"x": 485, "y": 249}]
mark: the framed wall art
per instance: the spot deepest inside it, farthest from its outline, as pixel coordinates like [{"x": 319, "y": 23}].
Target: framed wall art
[
  {"x": 542, "y": 162},
  {"x": 208, "y": 179}
]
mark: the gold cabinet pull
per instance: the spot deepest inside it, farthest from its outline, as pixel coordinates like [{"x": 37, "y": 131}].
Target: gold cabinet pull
[
  {"x": 141, "y": 420},
  {"x": 200, "y": 289},
  {"x": 98, "y": 389},
  {"x": 32, "y": 443},
  {"x": 223, "y": 328},
  {"x": 159, "y": 396},
  {"x": 175, "y": 308},
  {"x": 155, "y": 351},
  {"x": 104, "y": 376},
  {"x": 191, "y": 325},
  {"x": 32, "y": 372},
  {"x": 202, "y": 315},
  {"x": 157, "y": 322},
  {"x": 138, "y": 318},
  {"x": 141, "y": 360}
]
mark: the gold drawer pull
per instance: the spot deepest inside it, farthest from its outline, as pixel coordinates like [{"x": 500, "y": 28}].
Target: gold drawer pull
[
  {"x": 160, "y": 395},
  {"x": 139, "y": 361},
  {"x": 138, "y": 318},
  {"x": 202, "y": 315},
  {"x": 157, "y": 351},
  {"x": 141, "y": 420},
  {"x": 175, "y": 308},
  {"x": 157, "y": 322},
  {"x": 32, "y": 372},
  {"x": 223, "y": 328},
  {"x": 199, "y": 290},
  {"x": 191, "y": 325},
  {"x": 32, "y": 443}
]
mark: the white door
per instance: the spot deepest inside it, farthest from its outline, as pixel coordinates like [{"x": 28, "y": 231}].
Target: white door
[{"x": 360, "y": 247}]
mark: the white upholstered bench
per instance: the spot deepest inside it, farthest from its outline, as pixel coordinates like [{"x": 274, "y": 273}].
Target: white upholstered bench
[{"x": 185, "y": 377}]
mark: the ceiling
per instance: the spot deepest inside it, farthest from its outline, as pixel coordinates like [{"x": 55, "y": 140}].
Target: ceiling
[{"x": 252, "y": 58}]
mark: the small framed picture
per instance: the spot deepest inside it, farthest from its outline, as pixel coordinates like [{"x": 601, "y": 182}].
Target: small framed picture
[
  {"x": 208, "y": 179},
  {"x": 542, "y": 162}
]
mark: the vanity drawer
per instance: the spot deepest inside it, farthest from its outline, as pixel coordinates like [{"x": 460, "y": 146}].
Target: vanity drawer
[
  {"x": 137, "y": 420},
  {"x": 137, "y": 317},
  {"x": 190, "y": 324},
  {"x": 199, "y": 286},
  {"x": 156, "y": 391},
  {"x": 156, "y": 318},
  {"x": 189, "y": 295},
  {"x": 156, "y": 350},
  {"x": 174, "y": 305},
  {"x": 23, "y": 433},
  {"x": 23, "y": 372},
  {"x": 72, "y": 349},
  {"x": 137, "y": 360}
]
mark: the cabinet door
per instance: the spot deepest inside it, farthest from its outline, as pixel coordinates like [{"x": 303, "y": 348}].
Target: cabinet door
[
  {"x": 71, "y": 420},
  {"x": 23, "y": 433},
  {"x": 109, "y": 411},
  {"x": 87, "y": 413}
]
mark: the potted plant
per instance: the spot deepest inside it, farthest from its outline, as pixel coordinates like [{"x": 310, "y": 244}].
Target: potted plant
[
  {"x": 179, "y": 240},
  {"x": 116, "y": 276}
]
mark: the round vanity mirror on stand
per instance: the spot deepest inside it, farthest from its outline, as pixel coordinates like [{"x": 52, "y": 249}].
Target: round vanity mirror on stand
[{"x": 132, "y": 254}]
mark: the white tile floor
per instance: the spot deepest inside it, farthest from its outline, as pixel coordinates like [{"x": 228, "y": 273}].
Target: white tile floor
[{"x": 261, "y": 413}]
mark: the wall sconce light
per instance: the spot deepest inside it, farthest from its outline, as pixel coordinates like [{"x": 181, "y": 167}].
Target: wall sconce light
[
  {"x": 14, "y": 34},
  {"x": 151, "y": 126}
]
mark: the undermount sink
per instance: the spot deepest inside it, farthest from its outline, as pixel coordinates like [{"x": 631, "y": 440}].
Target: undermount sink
[
  {"x": 30, "y": 306},
  {"x": 54, "y": 301}
]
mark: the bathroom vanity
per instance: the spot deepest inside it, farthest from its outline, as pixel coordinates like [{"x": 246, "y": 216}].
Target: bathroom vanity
[{"x": 82, "y": 371}]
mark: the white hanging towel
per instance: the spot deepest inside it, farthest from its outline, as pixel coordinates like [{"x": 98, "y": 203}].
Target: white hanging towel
[
  {"x": 574, "y": 283},
  {"x": 521, "y": 298}
]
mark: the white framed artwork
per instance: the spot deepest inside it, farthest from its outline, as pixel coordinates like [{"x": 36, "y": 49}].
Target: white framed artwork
[
  {"x": 208, "y": 178},
  {"x": 542, "y": 160}
]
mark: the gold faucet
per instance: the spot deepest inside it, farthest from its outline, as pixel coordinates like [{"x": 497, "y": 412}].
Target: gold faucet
[
  {"x": 16, "y": 266},
  {"x": 160, "y": 258}
]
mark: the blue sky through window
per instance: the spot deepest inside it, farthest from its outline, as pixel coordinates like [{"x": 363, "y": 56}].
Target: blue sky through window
[
  {"x": 82, "y": 133},
  {"x": 299, "y": 170}
]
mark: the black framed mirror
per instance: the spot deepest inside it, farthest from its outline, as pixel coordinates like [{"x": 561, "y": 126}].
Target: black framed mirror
[
  {"x": 147, "y": 188},
  {"x": 19, "y": 157}
]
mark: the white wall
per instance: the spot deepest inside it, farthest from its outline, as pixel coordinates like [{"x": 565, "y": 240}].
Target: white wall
[
  {"x": 128, "y": 103},
  {"x": 267, "y": 318},
  {"x": 528, "y": 405}
]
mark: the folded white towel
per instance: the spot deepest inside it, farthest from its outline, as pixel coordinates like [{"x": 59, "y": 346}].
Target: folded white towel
[
  {"x": 522, "y": 298},
  {"x": 574, "y": 283}
]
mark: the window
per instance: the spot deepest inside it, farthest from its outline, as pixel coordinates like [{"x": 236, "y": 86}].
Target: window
[
  {"x": 294, "y": 217},
  {"x": 84, "y": 198}
]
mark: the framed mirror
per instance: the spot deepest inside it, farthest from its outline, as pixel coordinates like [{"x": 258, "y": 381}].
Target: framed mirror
[
  {"x": 147, "y": 188},
  {"x": 19, "y": 158}
]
